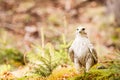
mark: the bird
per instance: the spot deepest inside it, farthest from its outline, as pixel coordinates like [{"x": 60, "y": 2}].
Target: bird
[{"x": 82, "y": 52}]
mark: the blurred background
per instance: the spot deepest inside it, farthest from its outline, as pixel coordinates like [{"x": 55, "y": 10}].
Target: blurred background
[{"x": 28, "y": 27}]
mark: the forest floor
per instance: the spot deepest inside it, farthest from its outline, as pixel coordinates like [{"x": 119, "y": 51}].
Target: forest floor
[{"x": 53, "y": 22}]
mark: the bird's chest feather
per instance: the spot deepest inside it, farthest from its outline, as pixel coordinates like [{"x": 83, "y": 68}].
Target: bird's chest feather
[{"x": 80, "y": 47}]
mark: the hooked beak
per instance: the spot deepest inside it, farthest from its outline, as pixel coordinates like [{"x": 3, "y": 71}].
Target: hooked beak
[{"x": 82, "y": 32}]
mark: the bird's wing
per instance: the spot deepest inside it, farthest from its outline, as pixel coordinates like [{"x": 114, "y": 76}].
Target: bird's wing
[
  {"x": 71, "y": 54},
  {"x": 93, "y": 52}
]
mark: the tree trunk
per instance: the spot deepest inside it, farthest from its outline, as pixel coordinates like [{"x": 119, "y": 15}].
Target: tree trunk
[{"x": 114, "y": 7}]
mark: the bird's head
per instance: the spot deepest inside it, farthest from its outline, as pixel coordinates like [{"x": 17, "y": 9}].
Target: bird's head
[{"x": 80, "y": 31}]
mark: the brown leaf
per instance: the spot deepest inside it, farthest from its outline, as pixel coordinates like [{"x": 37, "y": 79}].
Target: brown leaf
[{"x": 25, "y": 6}]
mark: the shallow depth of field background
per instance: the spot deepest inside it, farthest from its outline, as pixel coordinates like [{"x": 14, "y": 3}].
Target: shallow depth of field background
[{"x": 35, "y": 36}]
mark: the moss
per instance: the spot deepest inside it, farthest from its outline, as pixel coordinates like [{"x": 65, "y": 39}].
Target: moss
[
  {"x": 34, "y": 77},
  {"x": 95, "y": 75},
  {"x": 111, "y": 73}
]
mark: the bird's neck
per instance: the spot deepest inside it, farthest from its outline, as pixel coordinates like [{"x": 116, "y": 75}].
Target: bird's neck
[{"x": 81, "y": 36}]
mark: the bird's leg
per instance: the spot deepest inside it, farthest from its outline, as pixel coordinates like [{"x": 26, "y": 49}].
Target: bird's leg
[
  {"x": 71, "y": 54},
  {"x": 77, "y": 65},
  {"x": 89, "y": 64}
]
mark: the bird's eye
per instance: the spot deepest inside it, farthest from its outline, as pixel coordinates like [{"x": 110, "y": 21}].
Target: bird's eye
[
  {"x": 77, "y": 29},
  {"x": 83, "y": 29}
]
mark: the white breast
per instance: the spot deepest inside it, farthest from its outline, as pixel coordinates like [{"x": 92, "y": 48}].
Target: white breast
[{"x": 80, "y": 47}]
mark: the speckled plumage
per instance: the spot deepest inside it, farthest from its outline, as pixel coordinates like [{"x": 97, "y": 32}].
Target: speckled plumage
[{"x": 81, "y": 51}]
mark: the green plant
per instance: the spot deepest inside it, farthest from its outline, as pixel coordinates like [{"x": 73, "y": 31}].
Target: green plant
[
  {"x": 47, "y": 58},
  {"x": 11, "y": 56},
  {"x": 8, "y": 53}
]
